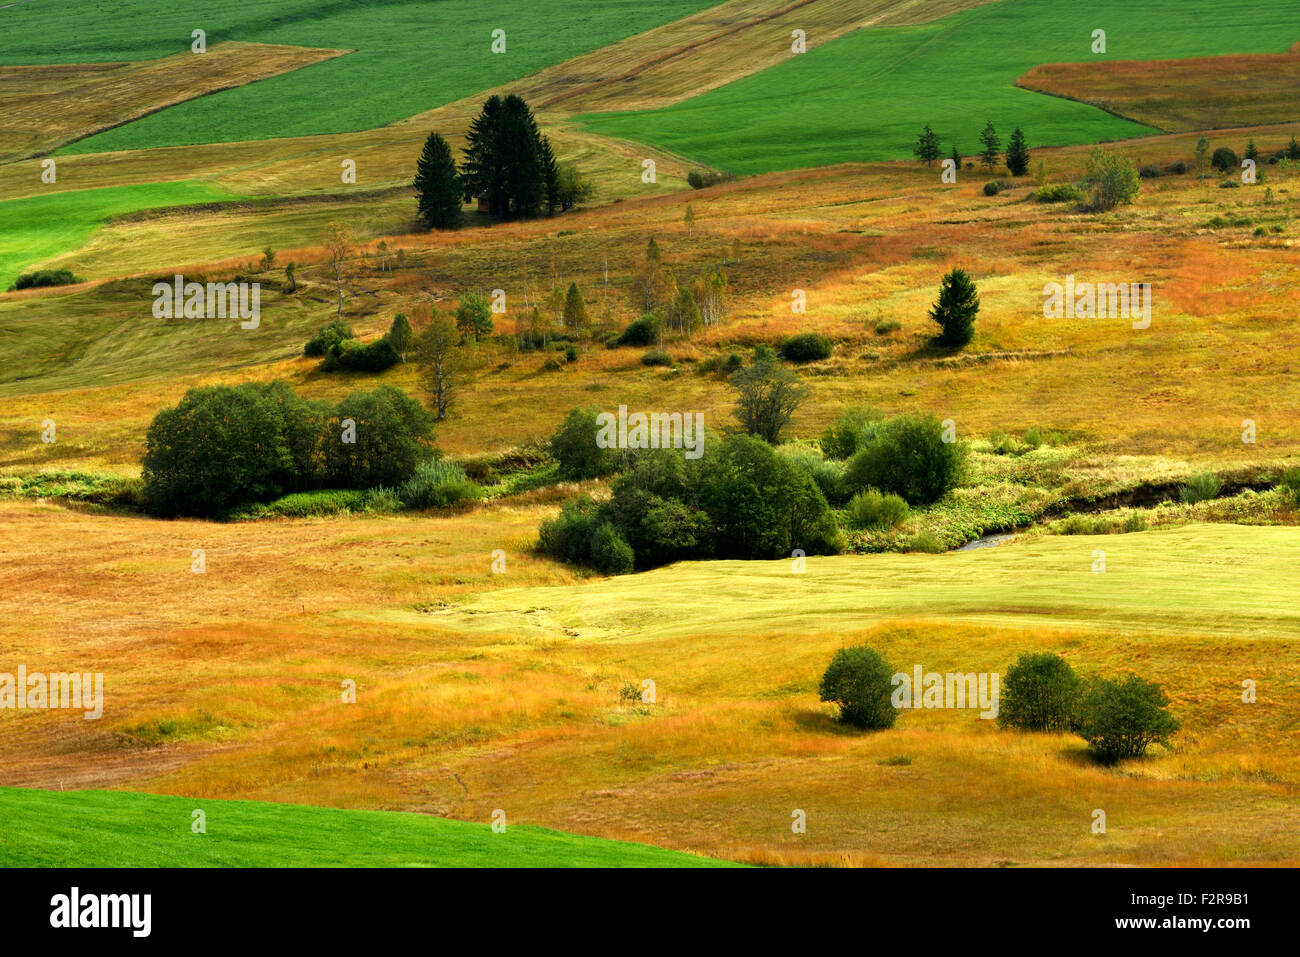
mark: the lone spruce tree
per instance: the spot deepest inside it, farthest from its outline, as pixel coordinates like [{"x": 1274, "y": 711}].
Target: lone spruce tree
[
  {"x": 955, "y": 312},
  {"x": 437, "y": 185},
  {"x": 1018, "y": 153},
  {"x": 992, "y": 146},
  {"x": 927, "y": 147}
]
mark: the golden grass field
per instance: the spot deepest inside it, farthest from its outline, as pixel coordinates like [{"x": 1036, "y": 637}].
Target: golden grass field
[{"x": 479, "y": 691}]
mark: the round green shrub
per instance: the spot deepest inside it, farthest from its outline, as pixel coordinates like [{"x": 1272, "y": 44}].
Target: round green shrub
[
  {"x": 806, "y": 347},
  {"x": 860, "y": 681},
  {"x": 1040, "y": 692},
  {"x": 908, "y": 456}
]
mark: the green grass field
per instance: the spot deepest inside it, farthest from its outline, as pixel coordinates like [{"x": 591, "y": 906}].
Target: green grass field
[
  {"x": 117, "y": 829},
  {"x": 865, "y": 97},
  {"x": 38, "y": 227},
  {"x": 409, "y": 56}
]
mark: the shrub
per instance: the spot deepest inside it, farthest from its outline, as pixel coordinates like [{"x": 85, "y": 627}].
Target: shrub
[
  {"x": 645, "y": 331},
  {"x": 1225, "y": 159},
  {"x": 610, "y": 553},
  {"x": 1033, "y": 437},
  {"x": 1121, "y": 717},
  {"x": 885, "y": 326},
  {"x": 436, "y": 483},
  {"x": 1289, "y": 484},
  {"x": 927, "y": 541},
  {"x": 355, "y": 356},
  {"x": 850, "y": 431},
  {"x": 390, "y": 431},
  {"x": 222, "y": 446},
  {"x": 1230, "y": 184},
  {"x": 45, "y": 277},
  {"x": 1040, "y": 692},
  {"x": 328, "y": 337},
  {"x": 908, "y": 456},
  {"x": 574, "y": 448},
  {"x": 828, "y": 475},
  {"x": 806, "y": 347},
  {"x": 726, "y": 364},
  {"x": 993, "y": 187},
  {"x": 860, "y": 681},
  {"x": 699, "y": 179},
  {"x": 1200, "y": 488},
  {"x": 1149, "y": 171},
  {"x": 570, "y": 354},
  {"x": 871, "y": 509},
  {"x": 1113, "y": 179},
  {"x": 1058, "y": 193},
  {"x": 1178, "y": 168},
  {"x": 656, "y": 357}
]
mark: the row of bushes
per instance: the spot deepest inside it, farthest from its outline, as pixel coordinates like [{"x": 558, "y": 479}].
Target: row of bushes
[
  {"x": 224, "y": 446},
  {"x": 1118, "y": 717},
  {"x": 740, "y": 499},
  {"x": 340, "y": 348},
  {"x": 45, "y": 277}
]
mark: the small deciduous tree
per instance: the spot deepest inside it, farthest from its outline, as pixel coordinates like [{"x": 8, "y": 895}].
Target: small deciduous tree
[
  {"x": 1121, "y": 717},
  {"x": 399, "y": 335},
  {"x": 956, "y": 309},
  {"x": 1040, "y": 692},
  {"x": 767, "y": 395},
  {"x": 1114, "y": 180},
  {"x": 474, "y": 317},
  {"x": 446, "y": 364},
  {"x": 1202, "y": 157},
  {"x": 860, "y": 681},
  {"x": 575, "y": 310},
  {"x": 339, "y": 242}
]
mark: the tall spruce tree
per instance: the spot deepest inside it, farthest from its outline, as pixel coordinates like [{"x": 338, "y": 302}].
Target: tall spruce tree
[
  {"x": 482, "y": 172},
  {"x": 955, "y": 312},
  {"x": 508, "y": 163},
  {"x": 437, "y": 185},
  {"x": 1018, "y": 153},
  {"x": 992, "y": 146}
]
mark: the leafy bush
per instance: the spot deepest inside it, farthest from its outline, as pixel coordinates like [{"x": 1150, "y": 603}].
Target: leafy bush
[
  {"x": 1289, "y": 484},
  {"x": 871, "y": 509},
  {"x": 1225, "y": 159},
  {"x": 45, "y": 277},
  {"x": 806, "y": 347},
  {"x": 1178, "y": 168},
  {"x": 1200, "y": 488},
  {"x": 573, "y": 446},
  {"x": 1121, "y": 717},
  {"x": 390, "y": 432},
  {"x": 1058, "y": 193},
  {"x": 850, "y": 431},
  {"x": 1230, "y": 184},
  {"x": 1033, "y": 437},
  {"x": 1113, "y": 179},
  {"x": 725, "y": 364},
  {"x": 828, "y": 474},
  {"x": 1149, "y": 171},
  {"x": 860, "y": 681},
  {"x": 1040, "y": 692},
  {"x": 656, "y": 357},
  {"x": 437, "y": 483},
  {"x": 357, "y": 357},
  {"x": 222, "y": 446},
  {"x": 570, "y": 354},
  {"x": 699, "y": 179},
  {"x": 328, "y": 337},
  {"x": 993, "y": 187},
  {"x": 908, "y": 456},
  {"x": 610, "y": 554},
  {"x": 645, "y": 331},
  {"x": 927, "y": 541},
  {"x": 578, "y": 535}
]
